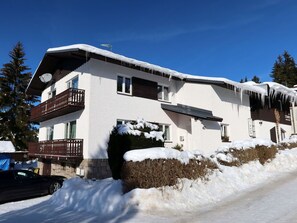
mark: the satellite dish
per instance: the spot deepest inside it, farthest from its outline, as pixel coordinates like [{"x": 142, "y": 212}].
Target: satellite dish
[{"x": 46, "y": 77}]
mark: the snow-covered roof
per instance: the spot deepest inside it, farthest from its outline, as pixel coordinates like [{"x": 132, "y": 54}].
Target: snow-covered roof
[
  {"x": 6, "y": 147},
  {"x": 36, "y": 86},
  {"x": 106, "y": 53},
  {"x": 274, "y": 89},
  {"x": 172, "y": 73}
]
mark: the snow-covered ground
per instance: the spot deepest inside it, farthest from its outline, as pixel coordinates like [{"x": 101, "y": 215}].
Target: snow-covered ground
[{"x": 250, "y": 193}]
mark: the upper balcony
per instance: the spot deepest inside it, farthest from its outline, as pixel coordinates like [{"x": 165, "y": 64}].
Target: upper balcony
[{"x": 68, "y": 101}]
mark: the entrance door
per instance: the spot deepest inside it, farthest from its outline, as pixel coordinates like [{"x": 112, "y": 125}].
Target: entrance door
[
  {"x": 46, "y": 167},
  {"x": 273, "y": 134}
]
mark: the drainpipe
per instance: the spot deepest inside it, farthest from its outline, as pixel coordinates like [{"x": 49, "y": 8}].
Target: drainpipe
[{"x": 293, "y": 118}]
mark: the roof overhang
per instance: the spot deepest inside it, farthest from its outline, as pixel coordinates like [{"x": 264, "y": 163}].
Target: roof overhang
[
  {"x": 58, "y": 64},
  {"x": 196, "y": 113}
]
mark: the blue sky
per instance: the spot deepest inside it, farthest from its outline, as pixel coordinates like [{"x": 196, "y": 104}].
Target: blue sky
[{"x": 220, "y": 38}]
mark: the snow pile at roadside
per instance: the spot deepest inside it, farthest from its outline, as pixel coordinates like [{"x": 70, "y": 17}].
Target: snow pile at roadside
[
  {"x": 158, "y": 153},
  {"x": 221, "y": 152},
  {"x": 105, "y": 198},
  {"x": 246, "y": 144},
  {"x": 227, "y": 181}
]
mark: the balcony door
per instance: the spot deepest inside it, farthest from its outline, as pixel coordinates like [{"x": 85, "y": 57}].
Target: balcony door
[
  {"x": 70, "y": 130},
  {"x": 73, "y": 83}
]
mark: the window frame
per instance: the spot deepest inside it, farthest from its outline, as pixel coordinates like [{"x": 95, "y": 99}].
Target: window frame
[
  {"x": 123, "y": 121},
  {"x": 162, "y": 128},
  {"x": 50, "y": 133},
  {"x": 123, "y": 84},
  {"x": 68, "y": 130},
  {"x": 70, "y": 82},
  {"x": 163, "y": 93},
  {"x": 52, "y": 93},
  {"x": 225, "y": 132}
]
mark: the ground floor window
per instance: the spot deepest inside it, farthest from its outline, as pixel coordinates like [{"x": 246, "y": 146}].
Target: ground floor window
[
  {"x": 122, "y": 122},
  {"x": 225, "y": 132},
  {"x": 283, "y": 134},
  {"x": 166, "y": 131}
]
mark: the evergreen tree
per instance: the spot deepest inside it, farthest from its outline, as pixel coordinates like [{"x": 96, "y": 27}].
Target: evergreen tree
[
  {"x": 256, "y": 79},
  {"x": 284, "y": 70},
  {"x": 244, "y": 80},
  {"x": 15, "y": 105}
]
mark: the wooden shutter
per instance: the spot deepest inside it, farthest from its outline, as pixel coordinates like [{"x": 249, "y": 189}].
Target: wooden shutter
[{"x": 144, "y": 88}]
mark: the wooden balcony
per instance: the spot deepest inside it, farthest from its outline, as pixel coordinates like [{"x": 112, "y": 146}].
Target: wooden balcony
[
  {"x": 64, "y": 103},
  {"x": 61, "y": 149}
]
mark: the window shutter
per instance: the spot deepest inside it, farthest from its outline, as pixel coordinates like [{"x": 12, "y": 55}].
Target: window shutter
[{"x": 144, "y": 88}]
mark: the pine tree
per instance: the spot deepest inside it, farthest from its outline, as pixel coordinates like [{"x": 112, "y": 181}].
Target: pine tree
[
  {"x": 256, "y": 79},
  {"x": 284, "y": 70},
  {"x": 244, "y": 80},
  {"x": 15, "y": 105}
]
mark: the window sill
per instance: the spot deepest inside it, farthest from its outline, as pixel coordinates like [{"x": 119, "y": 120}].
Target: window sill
[
  {"x": 168, "y": 141},
  {"x": 123, "y": 93},
  {"x": 164, "y": 101}
]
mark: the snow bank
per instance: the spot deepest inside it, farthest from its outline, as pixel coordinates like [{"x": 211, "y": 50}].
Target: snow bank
[
  {"x": 6, "y": 147},
  {"x": 246, "y": 144},
  {"x": 105, "y": 198},
  {"x": 158, "y": 153},
  {"x": 226, "y": 182}
]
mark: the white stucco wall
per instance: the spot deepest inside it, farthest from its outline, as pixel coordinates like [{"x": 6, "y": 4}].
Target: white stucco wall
[
  {"x": 81, "y": 117},
  {"x": 107, "y": 105},
  {"x": 262, "y": 129},
  {"x": 224, "y": 103}
]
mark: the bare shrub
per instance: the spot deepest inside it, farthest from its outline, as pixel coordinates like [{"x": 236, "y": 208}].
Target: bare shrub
[
  {"x": 163, "y": 172},
  {"x": 242, "y": 156},
  {"x": 266, "y": 153},
  {"x": 287, "y": 145}
]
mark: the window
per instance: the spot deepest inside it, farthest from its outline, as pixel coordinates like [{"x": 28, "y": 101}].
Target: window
[
  {"x": 166, "y": 131},
  {"x": 73, "y": 83},
  {"x": 224, "y": 132},
  {"x": 122, "y": 121},
  {"x": 124, "y": 85},
  {"x": 163, "y": 93},
  {"x": 52, "y": 94},
  {"x": 50, "y": 133},
  {"x": 70, "y": 130},
  {"x": 283, "y": 134}
]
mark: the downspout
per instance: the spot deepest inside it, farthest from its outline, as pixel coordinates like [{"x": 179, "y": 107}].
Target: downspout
[{"x": 277, "y": 121}]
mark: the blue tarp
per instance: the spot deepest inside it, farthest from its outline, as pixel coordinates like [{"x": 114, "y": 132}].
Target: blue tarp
[{"x": 4, "y": 162}]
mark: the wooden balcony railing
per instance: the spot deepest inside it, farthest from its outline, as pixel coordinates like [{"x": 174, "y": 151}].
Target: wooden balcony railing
[
  {"x": 68, "y": 101},
  {"x": 59, "y": 149}
]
